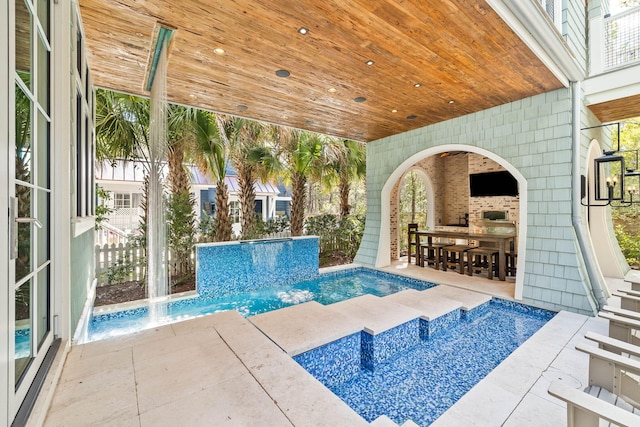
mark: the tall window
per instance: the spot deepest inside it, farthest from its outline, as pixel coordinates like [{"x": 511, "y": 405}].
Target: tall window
[
  {"x": 234, "y": 211},
  {"x": 84, "y": 147}
]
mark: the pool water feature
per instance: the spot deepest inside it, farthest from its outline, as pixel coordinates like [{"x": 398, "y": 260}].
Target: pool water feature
[
  {"x": 420, "y": 383},
  {"x": 326, "y": 288}
]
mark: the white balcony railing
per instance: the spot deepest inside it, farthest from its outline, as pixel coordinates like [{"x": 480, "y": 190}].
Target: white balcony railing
[{"x": 622, "y": 39}]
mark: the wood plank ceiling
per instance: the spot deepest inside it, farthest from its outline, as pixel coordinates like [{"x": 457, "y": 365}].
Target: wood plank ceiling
[
  {"x": 617, "y": 109},
  {"x": 460, "y": 52}
]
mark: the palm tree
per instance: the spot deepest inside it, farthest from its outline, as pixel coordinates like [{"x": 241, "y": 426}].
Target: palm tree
[
  {"x": 122, "y": 133},
  {"x": 244, "y": 137},
  {"x": 181, "y": 125},
  {"x": 212, "y": 155},
  {"x": 348, "y": 165},
  {"x": 122, "y": 126},
  {"x": 295, "y": 154}
]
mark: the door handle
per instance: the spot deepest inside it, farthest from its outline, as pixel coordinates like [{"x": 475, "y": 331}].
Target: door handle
[
  {"x": 29, "y": 220},
  {"x": 13, "y": 229}
]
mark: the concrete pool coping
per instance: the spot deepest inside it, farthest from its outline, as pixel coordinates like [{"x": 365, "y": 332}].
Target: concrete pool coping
[{"x": 221, "y": 370}]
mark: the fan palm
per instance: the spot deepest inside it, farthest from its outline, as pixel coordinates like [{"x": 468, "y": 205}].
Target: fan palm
[
  {"x": 212, "y": 155},
  {"x": 347, "y": 165},
  {"x": 295, "y": 154},
  {"x": 244, "y": 137}
]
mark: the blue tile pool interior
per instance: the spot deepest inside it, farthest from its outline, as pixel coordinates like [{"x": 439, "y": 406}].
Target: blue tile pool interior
[
  {"x": 230, "y": 268},
  {"x": 325, "y": 288},
  {"x": 422, "y": 382},
  {"x": 23, "y": 343}
]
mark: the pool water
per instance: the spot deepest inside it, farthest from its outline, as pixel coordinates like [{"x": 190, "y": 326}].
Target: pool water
[
  {"x": 326, "y": 289},
  {"x": 423, "y": 382}
]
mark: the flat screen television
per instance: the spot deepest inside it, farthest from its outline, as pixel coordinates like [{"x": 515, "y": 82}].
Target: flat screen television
[{"x": 492, "y": 184}]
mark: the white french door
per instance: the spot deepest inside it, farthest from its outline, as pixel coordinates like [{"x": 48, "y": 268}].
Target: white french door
[{"x": 27, "y": 194}]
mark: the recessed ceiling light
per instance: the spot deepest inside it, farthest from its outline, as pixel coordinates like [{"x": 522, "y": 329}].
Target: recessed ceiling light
[
  {"x": 219, "y": 51},
  {"x": 417, "y": 85},
  {"x": 411, "y": 117},
  {"x": 283, "y": 73},
  {"x": 304, "y": 31},
  {"x": 192, "y": 96},
  {"x": 394, "y": 111},
  {"x": 332, "y": 90},
  {"x": 452, "y": 101},
  {"x": 360, "y": 99},
  {"x": 242, "y": 107},
  {"x": 369, "y": 63}
]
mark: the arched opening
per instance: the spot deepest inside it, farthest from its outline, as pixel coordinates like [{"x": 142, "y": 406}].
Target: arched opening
[
  {"x": 412, "y": 198},
  {"x": 452, "y": 214}
]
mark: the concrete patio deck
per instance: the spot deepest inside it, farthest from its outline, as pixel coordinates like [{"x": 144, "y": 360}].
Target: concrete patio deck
[{"x": 222, "y": 370}]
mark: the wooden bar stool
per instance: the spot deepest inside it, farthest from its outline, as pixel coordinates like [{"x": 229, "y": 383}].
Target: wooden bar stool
[
  {"x": 482, "y": 259},
  {"x": 512, "y": 263},
  {"x": 412, "y": 240},
  {"x": 454, "y": 257},
  {"x": 432, "y": 254}
]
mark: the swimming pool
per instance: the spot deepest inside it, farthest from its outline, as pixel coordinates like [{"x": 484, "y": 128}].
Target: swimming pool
[
  {"x": 421, "y": 383},
  {"x": 327, "y": 288}
]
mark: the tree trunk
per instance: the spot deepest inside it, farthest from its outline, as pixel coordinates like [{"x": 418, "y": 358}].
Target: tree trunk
[
  {"x": 298, "y": 193},
  {"x": 223, "y": 220},
  {"x": 247, "y": 197},
  {"x": 345, "y": 188},
  {"x": 182, "y": 219}
]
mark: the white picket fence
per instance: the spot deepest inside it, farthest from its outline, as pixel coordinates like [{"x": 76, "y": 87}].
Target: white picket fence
[{"x": 109, "y": 255}]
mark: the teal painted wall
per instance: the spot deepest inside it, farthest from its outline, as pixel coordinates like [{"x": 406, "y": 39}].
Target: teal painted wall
[
  {"x": 82, "y": 265},
  {"x": 534, "y": 136}
]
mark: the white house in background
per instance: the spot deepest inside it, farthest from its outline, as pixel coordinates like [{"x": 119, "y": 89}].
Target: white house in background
[{"x": 124, "y": 180}]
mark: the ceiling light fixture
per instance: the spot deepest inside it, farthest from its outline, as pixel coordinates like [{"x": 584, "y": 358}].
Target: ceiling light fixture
[
  {"x": 369, "y": 63},
  {"x": 417, "y": 85},
  {"x": 304, "y": 31},
  {"x": 360, "y": 99},
  {"x": 219, "y": 51},
  {"x": 394, "y": 111},
  {"x": 283, "y": 73},
  {"x": 411, "y": 117},
  {"x": 452, "y": 101},
  {"x": 332, "y": 90},
  {"x": 242, "y": 107}
]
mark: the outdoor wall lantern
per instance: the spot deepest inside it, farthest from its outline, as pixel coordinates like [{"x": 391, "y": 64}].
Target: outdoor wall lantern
[
  {"x": 612, "y": 180},
  {"x": 609, "y": 177}
]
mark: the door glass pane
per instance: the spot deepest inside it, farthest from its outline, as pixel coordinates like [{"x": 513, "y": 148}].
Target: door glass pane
[
  {"x": 42, "y": 298},
  {"x": 23, "y": 261},
  {"x": 23, "y": 136},
  {"x": 43, "y": 15},
  {"x": 43, "y": 233},
  {"x": 23, "y": 328},
  {"x": 43, "y": 75},
  {"x": 42, "y": 150},
  {"x": 23, "y": 42}
]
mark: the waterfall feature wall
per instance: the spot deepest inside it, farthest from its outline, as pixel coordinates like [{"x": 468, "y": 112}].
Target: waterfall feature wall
[{"x": 229, "y": 267}]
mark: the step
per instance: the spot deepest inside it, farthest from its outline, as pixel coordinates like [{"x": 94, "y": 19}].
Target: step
[
  {"x": 376, "y": 314},
  {"x": 468, "y": 299},
  {"x": 430, "y": 306},
  {"x": 389, "y": 328},
  {"x": 302, "y": 327}
]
